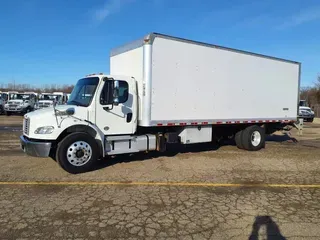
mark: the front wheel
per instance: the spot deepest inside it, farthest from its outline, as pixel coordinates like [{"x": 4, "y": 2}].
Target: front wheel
[
  {"x": 27, "y": 110},
  {"x": 77, "y": 153}
]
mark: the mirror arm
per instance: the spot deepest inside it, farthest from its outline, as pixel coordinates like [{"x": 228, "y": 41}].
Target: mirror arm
[{"x": 108, "y": 108}]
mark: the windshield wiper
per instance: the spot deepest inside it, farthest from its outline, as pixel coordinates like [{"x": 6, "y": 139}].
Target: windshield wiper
[{"x": 76, "y": 103}]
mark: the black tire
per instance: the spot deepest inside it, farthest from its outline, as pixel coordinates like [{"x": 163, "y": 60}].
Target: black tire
[
  {"x": 8, "y": 113},
  {"x": 63, "y": 148},
  {"x": 247, "y": 138},
  {"x": 27, "y": 110},
  {"x": 238, "y": 139},
  {"x": 310, "y": 120}
]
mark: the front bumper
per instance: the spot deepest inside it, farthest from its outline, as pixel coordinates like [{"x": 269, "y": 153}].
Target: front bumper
[
  {"x": 14, "y": 109},
  {"x": 43, "y": 106},
  {"x": 35, "y": 149},
  {"x": 306, "y": 116}
]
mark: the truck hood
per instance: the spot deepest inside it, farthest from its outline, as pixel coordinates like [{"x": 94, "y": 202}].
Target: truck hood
[
  {"x": 15, "y": 101},
  {"x": 305, "y": 108},
  {"x": 46, "y": 114},
  {"x": 45, "y": 101},
  {"x": 60, "y": 121}
]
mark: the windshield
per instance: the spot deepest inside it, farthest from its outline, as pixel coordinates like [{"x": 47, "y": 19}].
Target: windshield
[
  {"x": 50, "y": 97},
  {"x": 21, "y": 96},
  {"x": 3, "y": 96},
  {"x": 303, "y": 103},
  {"x": 83, "y": 91}
]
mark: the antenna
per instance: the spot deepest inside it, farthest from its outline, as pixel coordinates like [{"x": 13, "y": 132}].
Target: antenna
[{"x": 55, "y": 113}]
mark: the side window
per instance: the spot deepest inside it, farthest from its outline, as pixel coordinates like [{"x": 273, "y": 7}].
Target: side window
[
  {"x": 123, "y": 91},
  {"x": 106, "y": 96}
]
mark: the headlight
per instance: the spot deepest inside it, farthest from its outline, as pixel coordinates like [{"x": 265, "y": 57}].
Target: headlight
[{"x": 44, "y": 130}]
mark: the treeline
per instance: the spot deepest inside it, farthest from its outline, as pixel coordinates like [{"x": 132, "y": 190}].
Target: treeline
[
  {"x": 66, "y": 88},
  {"x": 311, "y": 94}
]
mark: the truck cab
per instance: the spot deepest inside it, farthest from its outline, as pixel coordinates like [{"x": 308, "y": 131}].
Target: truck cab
[
  {"x": 101, "y": 109},
  {"x": 20, "y": 103},
  {"x": 305, "y": 111}
]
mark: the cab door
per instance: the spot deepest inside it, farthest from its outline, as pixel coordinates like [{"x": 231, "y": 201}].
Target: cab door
[{"x": 121, "y": 118}]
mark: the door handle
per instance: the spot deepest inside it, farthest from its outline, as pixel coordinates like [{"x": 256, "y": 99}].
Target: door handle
[{"x": 129, "y": 117}]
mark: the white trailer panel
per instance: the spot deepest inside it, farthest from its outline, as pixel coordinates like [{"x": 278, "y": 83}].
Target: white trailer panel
[{"x": 182, "y": 81}]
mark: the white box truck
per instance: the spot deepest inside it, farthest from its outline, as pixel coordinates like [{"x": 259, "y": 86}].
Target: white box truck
[{"x": 163, "y": 90}]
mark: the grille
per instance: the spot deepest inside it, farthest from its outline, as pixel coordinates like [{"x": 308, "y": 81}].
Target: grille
[
  {"x": 26, "y": 125},
  {"x": 42, "y": 105}
]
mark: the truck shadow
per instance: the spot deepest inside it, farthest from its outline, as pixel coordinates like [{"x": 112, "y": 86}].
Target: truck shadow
[
  {"x": 264, "y": 225},
  {"x": 281, "y": 138},
  {"x": 175, "y": 149},
  {"x": 172, "y": 150}
]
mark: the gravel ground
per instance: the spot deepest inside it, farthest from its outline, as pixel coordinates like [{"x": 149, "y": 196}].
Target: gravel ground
[{"x": 200, "y": 193}]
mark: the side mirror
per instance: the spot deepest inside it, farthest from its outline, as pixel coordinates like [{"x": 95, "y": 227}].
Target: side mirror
[
  {"x": 70, "y": 111},
  {"x": 115, "y": 94}
]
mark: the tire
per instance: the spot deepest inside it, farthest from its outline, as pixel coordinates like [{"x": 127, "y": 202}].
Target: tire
[
  {"x": 238, "y": 139},
  {"x": 310, "y": 120},
  {"x": 8, "y": 113},
  {"x": 253, "y": 138},
  {"x": 27, "y": 110},
  {"x": 87, "y": 148}
]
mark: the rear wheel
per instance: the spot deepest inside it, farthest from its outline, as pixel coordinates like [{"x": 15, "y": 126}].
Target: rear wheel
[
  {"x": 253, "y": 138},
  {"x": 238, "y": 139},
  {"x": 77, "y": 153}
]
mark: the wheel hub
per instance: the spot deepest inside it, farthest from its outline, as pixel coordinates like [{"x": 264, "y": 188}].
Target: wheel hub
[
  {"x": 79, "y": 153},
  {"x": 255, "y": 138}
]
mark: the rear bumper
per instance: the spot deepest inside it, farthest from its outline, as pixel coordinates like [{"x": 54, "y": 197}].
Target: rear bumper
[{"x": 35, "y": 149}]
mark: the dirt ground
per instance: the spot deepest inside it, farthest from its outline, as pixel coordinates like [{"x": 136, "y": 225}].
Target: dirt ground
[
  {"x": 14, "y": 120},
  {"x": 203, "y": 192}
]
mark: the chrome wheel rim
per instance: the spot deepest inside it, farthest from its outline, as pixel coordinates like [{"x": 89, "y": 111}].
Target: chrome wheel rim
[
  {"x": 255, "y": 138},
  {"x": 79, "y": 153}
]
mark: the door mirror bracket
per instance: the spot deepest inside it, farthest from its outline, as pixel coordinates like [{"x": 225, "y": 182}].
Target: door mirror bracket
[{"x": 115, "y": 94}]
